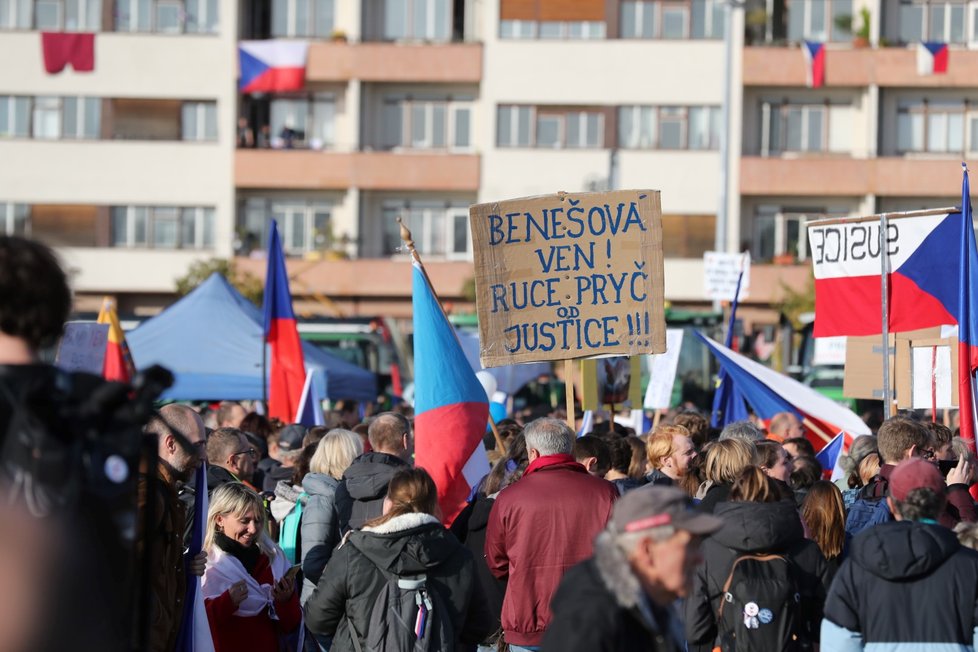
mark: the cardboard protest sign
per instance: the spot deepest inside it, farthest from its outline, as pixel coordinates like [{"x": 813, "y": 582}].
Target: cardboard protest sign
[
  {"x": 82, "y": 347},
  {"x": 569, "y": 275}
]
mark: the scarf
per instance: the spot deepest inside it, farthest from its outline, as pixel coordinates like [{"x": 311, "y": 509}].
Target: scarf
[
  {"x": 224, "y": 569},
  {"x": 559, "y": 459}
]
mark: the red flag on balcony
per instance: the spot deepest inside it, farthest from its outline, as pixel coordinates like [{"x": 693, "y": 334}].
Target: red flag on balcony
[
  {"x": 63, "y": 48},
  {"x": 814, "y": 63}
]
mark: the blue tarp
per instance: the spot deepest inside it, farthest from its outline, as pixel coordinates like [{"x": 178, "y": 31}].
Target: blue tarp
[{"x": 211, "y": 340}]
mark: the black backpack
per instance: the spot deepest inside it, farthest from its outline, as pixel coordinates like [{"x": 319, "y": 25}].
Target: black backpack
[
  {"x": 761, "y": 607},
  {"x": 408, "y": 615}
]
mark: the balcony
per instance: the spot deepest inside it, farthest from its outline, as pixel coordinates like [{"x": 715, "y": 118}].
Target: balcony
[
  {"x": 447, "y": 63},
  {"x": 841, "y": 177},
  {"x": 313, "y": 170},
  {"x": 888, "y": 67}
]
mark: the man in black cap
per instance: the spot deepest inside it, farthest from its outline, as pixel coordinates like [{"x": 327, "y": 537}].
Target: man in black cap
[
  {"x": 622, "y": 597},
  {"x": 288, "y": 447}
]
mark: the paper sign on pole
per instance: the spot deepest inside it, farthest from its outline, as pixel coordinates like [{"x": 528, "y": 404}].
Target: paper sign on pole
[
  {"x": 720, "y": 274},
  {"x": 82, "y": 347},
  {"x": 829, "y": 350},
  {"x": 569, "y": 276},
  {"x": 662, "y": 370}
]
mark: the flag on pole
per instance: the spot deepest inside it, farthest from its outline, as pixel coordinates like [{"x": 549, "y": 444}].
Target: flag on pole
[
  {"x": 195, "y": 632},
  {"x": 287, "y": 372},
  {"x": 814, "y": 63},
  {"x": 450, "y": 406},
  {"x": 965, "y": 304},
  {"x": 587, "y": 423},
  {"x": 728, "y": 402},
  {"x": 932, "y": 58},
  {"x": 272, "y": 66},
  {"x": 118, "y": 364},
  {"x": 829, "y": 456},
  {"x": 310, "y": 410}
]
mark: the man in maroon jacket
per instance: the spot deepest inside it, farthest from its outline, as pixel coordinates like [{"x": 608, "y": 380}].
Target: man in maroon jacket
[{"x": 541, "y": 526}]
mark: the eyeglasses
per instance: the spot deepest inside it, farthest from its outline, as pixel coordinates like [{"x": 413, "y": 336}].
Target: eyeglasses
[
  {"x": 251, "y": 452},
  {"x": 927, "y": 454}
]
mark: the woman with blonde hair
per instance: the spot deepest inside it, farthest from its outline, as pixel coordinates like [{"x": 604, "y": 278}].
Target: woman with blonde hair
[
  {"x": 725, "y": 460},
  {"x": 248, "y": 591},
  {"x": 825, "y": 520},
  {"x": 407, "y": 542},
  {"x": 319, "y": 532}
]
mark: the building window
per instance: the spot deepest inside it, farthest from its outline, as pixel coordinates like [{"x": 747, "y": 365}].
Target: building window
[
  {"x": 16, "y": 14},
  {"x": 937, "y": 127},
  {"x": 517, "y": 29},
  {"x": 166, "y": 16},
  {"x": 304, "y": 225},
  {"x": 46, "y": 118},
  {"x": 198, "y": 121},
  {"x": 794, "y": 128},
  {"x": 162, "y": 227},
  {"x": 303, "y": 122},
  {"x": 14, "y": 219},
  {"x": 15, "y": 116},
  {"x": 549, "y": 127},
  {"x": 52, "y": 15},
  {"x": 820, "y": 20},
  {"x": 932, "y": 20},
  {"x": 438, "y": 229},
  {"x": 672, "y": 19},
  {"x": 302, "y": 18},
  {"x": 420, "y": 123},
  {"x": 555, "y": 29},
  {"x": 779, "y": 232},
  {"x": 669, "y": 127},
  {"x": 53, "y": 118},
  {"x": 427, "y": 20}
]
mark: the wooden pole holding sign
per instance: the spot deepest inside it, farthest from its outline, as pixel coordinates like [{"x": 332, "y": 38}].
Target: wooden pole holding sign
[{"x": 569, "y": 393}]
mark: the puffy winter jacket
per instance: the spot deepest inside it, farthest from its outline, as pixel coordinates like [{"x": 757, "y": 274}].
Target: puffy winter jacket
[
  {"x": 752, "y": 528},
  {"x": 360, "y": 495},
  {"x": 470, "y": 528},
  {"x": 904, "y": 586},
  {"x": 409, "y": 544},
  {"x": 320, "y": 529}
]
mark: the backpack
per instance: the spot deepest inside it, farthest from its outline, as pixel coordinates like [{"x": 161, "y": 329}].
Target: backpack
[
  {"x": 289, "y": 535},
  {"x": 865, "y": 513},
  {"x": 408, "y": 615},
  {"x": 761, "y": 608}
]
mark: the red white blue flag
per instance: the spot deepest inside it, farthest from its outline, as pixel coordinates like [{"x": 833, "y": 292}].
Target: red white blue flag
[
  {"x": 814, "y": 63},
  {"x": 272, "y": 66},
  {"x": 287, "y": 371},
  {"x": 310, "y": 410},
  {"x": 450, "y": 406},
  {"x": 932, "y": 58},
  {"x": 195, "y": 632}
]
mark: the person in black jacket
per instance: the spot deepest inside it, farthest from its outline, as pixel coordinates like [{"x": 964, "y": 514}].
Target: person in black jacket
[
  {"x": 907, "y": 584},
  {"x": 725, "y": 461},
  {"x": 759, "y": 519},
  {"x": 621, "y": 599},
  {"x": 407, "y": 540},
  {"x": 360, "y": 495}
]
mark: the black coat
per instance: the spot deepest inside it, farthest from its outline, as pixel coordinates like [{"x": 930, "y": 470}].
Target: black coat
[
  {"x": 588, "y": 618},
  {"x": 752, "y": 528},
  {"x": 904, "y": 582},
  {"x": 360, "y": 495},
  {"x": 716, "y": 494},
  {"x": 353, "y": 579},
  {"x": 470, "y": 528}
]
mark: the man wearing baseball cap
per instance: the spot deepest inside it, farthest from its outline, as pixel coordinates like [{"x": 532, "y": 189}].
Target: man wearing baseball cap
[
  {"x": 907, "y": 584},
  {"x": 622, "y": 597}
]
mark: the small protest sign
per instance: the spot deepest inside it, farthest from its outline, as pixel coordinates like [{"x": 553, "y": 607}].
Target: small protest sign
[
  {"x": 720, "y": 274},
  {"x": 82, "y": 347},
  {"x": 662, "y": 372},
  {"x": 569, "y": 275}
]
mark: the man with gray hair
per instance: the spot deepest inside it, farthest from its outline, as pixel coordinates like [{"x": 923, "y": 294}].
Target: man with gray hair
[
  {"x": 542, "y": 525},
  {"x": 743, "y": 430},
  {"x": 622, "y": 598}
]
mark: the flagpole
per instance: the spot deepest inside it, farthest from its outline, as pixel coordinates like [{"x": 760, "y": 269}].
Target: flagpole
[
  {"x": 884, "y": 292},
  {"x": 409, "y": 243}
]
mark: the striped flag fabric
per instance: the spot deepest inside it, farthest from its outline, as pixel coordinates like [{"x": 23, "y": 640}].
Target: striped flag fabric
[
  {"x": 932, "y": 58},
  {"x": 829, "y": 457},
  {"x": 310, "y": 410},
  {"x": 450, "y": 406},
  {"x": 287, "y": 372},
  {"x": 965, "y": 303},
  {"x": 814, "y": 63},
  {"x": 195, "y": 632},
  {"x": 728, "y": 402},
  {"x": 587, "y": 423},
  {"x": 272, "y": 66},
  {"x": 118, "y": 361}
]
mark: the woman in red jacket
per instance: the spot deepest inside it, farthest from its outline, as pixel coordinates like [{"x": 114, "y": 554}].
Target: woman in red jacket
[{"x": 248, "y": 592}]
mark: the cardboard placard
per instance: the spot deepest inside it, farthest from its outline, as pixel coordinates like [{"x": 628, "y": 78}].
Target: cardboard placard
[
  {"x": 927, "y": 369},
  {"x": 864, "y": 363},
  {"x": 569, "y": 275},
  {"x": 721, "y": 272}
]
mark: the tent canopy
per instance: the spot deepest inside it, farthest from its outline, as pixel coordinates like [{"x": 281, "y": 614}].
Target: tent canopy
[{"x": 211, "y": 340}]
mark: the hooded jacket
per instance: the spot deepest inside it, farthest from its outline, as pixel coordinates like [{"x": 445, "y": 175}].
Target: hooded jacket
[
  {"x": 360, "y": 495},
  {"x": 905, "y": 585},
  {"x": 409, "y": 544},
  {"x": 753, "y": 528},
  {"x": 320, "y": 530},
  {"x": 538, "y": 528}
]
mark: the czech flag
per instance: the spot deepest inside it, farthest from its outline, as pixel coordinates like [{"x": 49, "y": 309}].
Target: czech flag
[
  {"x": 310, "y": 410},
  {"x": 272, "y": 66},
  {"x": 965, "y": 302},
  {"x": 118, "y": 361},
  {"x": 932, "y": 58},
  {"x": 195, "y": 631},
  {"x": 450, "y": 406},
  {"x": 829, "y": 456},
  {"x": 769, "y": 392},
  {"x": 814, "y": 63},
  {"x": 287, "y": 372}
]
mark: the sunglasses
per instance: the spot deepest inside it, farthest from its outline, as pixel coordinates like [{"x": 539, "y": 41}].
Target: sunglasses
[{"x": 251, "y": 452}]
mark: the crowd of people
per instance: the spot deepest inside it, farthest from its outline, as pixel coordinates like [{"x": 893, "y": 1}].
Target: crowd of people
[{"x": 330, "y": 538}]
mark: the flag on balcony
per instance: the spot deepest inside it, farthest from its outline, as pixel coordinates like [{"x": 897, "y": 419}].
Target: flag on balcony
[
  {"x": 118, "y": 364},
  {"x": 814, "y": 63},
  {"x": 272, "y": 66},
  {"x": 63, "y": 48},
  {"x": 932, "y": 58}
]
